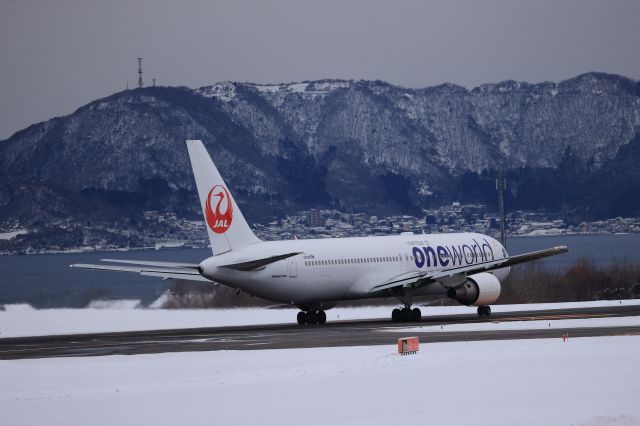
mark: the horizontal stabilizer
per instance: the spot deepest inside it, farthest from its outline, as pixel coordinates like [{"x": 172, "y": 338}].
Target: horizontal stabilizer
[
  {"x": 252, "y": 265},
  {"x": 154, "y": 263},
  {"x": 168, "y": 273}
]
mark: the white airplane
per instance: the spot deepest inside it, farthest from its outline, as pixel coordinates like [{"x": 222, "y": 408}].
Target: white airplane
[{"x": 316, "y": 274}]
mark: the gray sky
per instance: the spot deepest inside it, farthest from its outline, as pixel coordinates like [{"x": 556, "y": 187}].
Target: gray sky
[{"x": 57, "y": 55}]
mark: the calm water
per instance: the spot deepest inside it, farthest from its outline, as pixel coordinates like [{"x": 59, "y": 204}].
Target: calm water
[{"x": 47, "y": 281}]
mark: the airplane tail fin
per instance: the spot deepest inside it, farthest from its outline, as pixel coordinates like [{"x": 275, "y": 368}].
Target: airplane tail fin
[{"x": 226, "y": 226}]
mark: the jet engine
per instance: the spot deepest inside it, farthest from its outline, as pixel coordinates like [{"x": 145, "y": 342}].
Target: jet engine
[{"x": 479, "y": 289}]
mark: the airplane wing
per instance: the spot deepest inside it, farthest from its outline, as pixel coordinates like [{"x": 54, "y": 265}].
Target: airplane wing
[
  {"x": 415, "y": 279},
  {"x": 535, "y": 255},
  {"x": 502, "y": 263},
  {"x": 166, "y": 270},
  {"x": 418, "y": 279}
]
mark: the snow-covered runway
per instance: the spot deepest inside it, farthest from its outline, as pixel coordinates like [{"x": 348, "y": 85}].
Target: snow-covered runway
[{"x": 604, "y": 319}]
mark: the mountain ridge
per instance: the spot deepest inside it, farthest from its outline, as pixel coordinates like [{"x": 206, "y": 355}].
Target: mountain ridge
[{"x": 354, "y": 145}]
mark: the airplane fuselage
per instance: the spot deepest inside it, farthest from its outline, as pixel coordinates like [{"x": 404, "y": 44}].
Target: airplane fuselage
[{"x": 335, "y": 269}]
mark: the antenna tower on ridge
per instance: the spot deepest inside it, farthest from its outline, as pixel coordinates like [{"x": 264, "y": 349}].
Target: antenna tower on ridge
[{"x": 140, "y": 84}]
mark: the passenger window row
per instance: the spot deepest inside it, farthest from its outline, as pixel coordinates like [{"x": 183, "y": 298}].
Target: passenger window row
[{"x": 359, "y": 260}]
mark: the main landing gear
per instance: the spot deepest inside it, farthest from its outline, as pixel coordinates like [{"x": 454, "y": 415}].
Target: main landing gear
[
  {"x": 312, "y": 317},
  {"x": 406, "y": 314},
  {"x": 484, "y": 310}
]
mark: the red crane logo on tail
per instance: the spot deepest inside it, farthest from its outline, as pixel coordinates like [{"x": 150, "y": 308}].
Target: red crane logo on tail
[{"x": 218, "y": 221}]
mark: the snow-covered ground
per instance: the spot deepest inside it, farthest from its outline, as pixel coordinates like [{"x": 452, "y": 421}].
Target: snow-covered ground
[
  {"x": 22, "y": 320},
  {"x": 586, "y": 381},
  {"x": 12, "y": 234}
]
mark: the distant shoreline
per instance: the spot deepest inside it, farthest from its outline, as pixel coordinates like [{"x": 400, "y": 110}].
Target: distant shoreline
[{"x": 177, "y": 245}]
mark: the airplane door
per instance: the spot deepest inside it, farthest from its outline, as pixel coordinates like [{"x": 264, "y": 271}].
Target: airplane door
[{"x": 293, "y": 267}]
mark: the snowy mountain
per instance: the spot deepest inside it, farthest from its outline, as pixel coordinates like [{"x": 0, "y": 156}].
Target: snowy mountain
[{"x": 354, "y": 145}]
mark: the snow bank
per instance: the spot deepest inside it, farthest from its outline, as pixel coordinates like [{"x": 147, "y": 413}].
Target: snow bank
[
  {"x": 18, "y": 308},
  {"x": 115, "y": 304},
  {"x": 23, "y": 320},
  {"x": 588, "y": 381},
  {"x": 161, "y": 301}
]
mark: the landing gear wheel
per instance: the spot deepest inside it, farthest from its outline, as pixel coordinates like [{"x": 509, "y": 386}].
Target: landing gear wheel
[
  {"x": 312, "y": 318},
  {"x": 302, "y": 318},
  {"x": 395, "y": 315},
  {"x": 484, "y": 310},
  {"x": 407, "y": 315},
  {"x": 416, "y": 314},
  {"x": 322, "y": 317}
]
